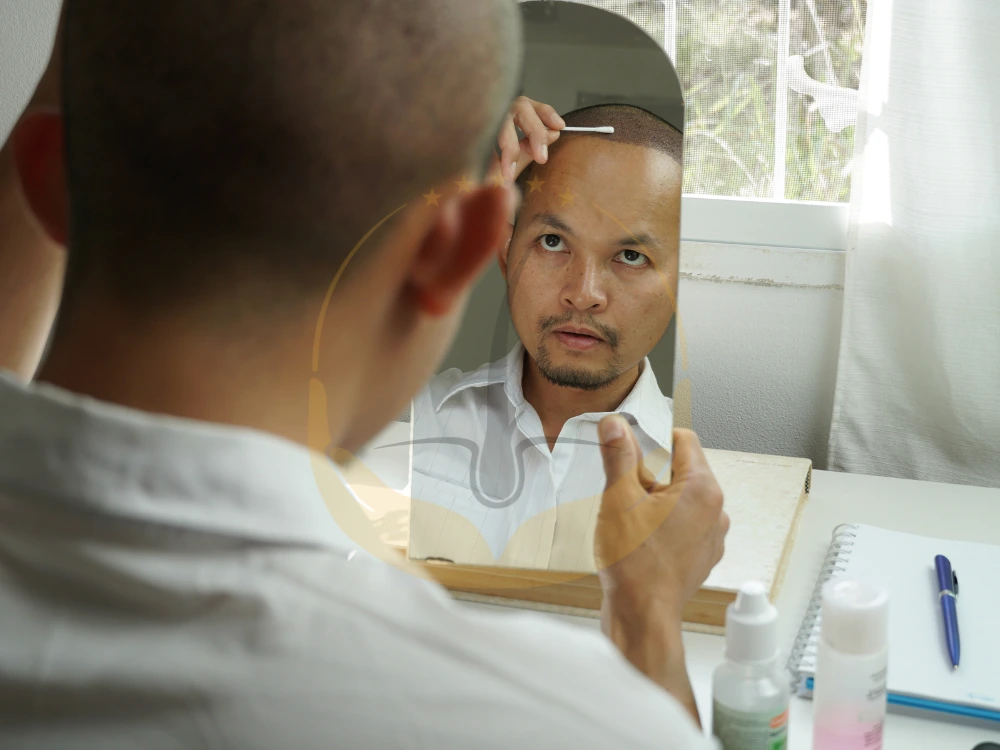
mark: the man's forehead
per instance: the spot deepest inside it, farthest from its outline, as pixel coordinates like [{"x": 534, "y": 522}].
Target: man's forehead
[
  {"x": 629, "y": 181},
  {"x": 586, "y": 154}
]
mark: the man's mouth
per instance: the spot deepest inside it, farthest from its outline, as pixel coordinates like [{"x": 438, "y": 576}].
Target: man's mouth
[{"x": 580, "y": 339}]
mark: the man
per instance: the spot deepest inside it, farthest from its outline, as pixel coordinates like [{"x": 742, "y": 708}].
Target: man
[
  {"x": 506, "y": 459},
  {"x": 170, "y": 575}
]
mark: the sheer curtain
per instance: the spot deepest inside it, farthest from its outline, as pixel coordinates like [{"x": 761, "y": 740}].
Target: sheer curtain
[{"x": 918, "y": 383}]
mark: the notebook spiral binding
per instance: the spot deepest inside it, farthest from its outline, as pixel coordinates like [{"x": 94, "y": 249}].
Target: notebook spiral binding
[{"x": 835, "y": 562}]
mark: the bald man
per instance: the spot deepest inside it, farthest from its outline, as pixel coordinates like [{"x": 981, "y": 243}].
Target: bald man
[
  {"x": 255, "y": 283},
  {"x": 506, "y": 459}
]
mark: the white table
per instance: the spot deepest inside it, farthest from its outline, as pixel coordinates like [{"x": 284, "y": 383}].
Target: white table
[{"x": 948, "y": 511}]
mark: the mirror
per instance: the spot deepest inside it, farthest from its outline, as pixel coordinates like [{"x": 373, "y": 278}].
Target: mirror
[{"x": 576, "y": 320}]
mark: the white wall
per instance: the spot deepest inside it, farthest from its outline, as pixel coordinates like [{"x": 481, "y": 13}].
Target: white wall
[
  {"x": 759, "y": 336},
  {"x": 760, "y": 326}
]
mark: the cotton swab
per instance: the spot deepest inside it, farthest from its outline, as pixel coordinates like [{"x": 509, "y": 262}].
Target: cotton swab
[{"x": 602, "y": 129}]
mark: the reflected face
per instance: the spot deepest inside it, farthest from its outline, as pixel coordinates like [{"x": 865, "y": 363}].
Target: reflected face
[{"x": 591, "y": 268}]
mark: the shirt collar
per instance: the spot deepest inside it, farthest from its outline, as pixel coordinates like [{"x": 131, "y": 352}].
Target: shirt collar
[
  {"x": 57, "y": 447},
  {"x": 507, "y": 371},
  {"x": 650, "y": 408},
  {"x": 645, "y": 403}
]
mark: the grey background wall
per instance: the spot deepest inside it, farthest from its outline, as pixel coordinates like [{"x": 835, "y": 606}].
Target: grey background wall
[{"x": 759, "y": 327}]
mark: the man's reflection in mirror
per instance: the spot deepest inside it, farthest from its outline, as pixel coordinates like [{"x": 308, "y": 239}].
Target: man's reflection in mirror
[{"x": 591, "y": 273}]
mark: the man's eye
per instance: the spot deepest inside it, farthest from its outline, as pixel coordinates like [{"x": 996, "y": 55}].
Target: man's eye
[
  {"x": 553, "y": 242},
  {"x": 633, "y": 258}
]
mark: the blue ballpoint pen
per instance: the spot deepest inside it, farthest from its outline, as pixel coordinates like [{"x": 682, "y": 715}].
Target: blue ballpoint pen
[{"x": 948, "y": 593}]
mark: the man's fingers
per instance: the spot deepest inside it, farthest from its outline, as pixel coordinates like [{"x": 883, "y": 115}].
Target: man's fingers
[
  {"x": 689, "y": 458},
  {"x": 540, "y": 124},
  {"x": 636, "y": 463},
  {"x": 621, "y": 461},
  {"x": 524, "y": 159},
  {"x": 646, "y": 478},
  {"x": 526, "y": 156},
  {"x": 618, "y": 448},
  {"x": 494, "y": 167},
  {"x": 510, "y": 149},
  {"x": 548, "y": 115},
  {"x": 534, "y": 129}
]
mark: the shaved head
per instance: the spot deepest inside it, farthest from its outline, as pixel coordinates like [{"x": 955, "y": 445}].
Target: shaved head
[
  {"x": 633, "y": 126},
  {"x": 217, "y": 145}
]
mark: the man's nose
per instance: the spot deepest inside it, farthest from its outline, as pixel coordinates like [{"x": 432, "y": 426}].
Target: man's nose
[{"x": 584, "y": 289}]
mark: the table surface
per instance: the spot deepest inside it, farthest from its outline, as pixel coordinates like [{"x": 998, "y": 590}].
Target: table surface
[{"x": 927, "y": 508}]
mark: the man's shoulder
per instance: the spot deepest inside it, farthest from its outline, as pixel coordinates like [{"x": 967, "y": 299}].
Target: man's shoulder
[
  {"x": 582, "y": 688},
  {"x": 335, "y": 637}
]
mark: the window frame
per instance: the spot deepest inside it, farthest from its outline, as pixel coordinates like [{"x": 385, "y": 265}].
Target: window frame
[
  {"x": 805, "y": 225},
  {"x": 708, "y": 220},
  {"x": 764, "y": 222}
]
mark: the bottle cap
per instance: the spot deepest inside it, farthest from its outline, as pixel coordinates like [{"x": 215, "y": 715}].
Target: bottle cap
[
  {"x": 855, "y": 617},
  {"x": 751, "y": 625}
]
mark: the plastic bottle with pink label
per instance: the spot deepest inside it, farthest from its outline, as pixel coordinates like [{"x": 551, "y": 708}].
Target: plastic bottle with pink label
[{"x": 849, "y": 692}]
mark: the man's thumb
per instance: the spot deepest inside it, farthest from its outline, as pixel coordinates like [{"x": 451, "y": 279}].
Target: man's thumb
[{"x": 618, "y": 450}]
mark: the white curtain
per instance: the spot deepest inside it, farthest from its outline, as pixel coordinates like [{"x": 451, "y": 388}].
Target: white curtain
[{"x": 918, "y": 382}]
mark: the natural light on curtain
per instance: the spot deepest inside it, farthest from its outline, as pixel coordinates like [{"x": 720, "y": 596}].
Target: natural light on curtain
[
  {"x": 770, "y": 88},
  {"x": 918, "y": 382},
  {"x": 872, "y": 167}
]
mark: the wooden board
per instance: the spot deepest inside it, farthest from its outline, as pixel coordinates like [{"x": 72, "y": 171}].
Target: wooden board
[{"x": 765, "y": 496}]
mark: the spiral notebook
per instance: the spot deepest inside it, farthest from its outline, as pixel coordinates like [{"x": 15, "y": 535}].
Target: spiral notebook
[{"x": 920, "y": 676}]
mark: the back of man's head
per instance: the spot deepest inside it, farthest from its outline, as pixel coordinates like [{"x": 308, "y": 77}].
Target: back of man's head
[{"x": 214, "y": 145}]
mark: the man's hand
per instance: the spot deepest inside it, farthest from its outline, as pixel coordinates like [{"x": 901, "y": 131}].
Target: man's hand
[
  {"x": 540, "y": 124},
  {"x": 657, "y": 542},
  {"x": 655, "y": 545}
]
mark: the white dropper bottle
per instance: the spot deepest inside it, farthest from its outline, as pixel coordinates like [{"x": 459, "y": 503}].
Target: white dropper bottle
[
  {"x": 750, "y": 691},
  {"x": 849, "y": 695}
]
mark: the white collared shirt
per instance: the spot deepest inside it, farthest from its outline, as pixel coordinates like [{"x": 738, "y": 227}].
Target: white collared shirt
[
  {"x": 166, "y": 583},
  {"x": 479, "y": 451}
]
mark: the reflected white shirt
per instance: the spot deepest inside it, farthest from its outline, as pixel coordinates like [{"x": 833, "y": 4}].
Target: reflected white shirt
[
  {"x": 479, "y": 448},
  {"x": 166, "y": 583}
]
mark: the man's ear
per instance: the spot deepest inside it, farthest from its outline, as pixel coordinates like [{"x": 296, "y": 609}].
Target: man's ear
[
  {"x": 469, "y": 231},
  {"x": 505, "y": 249},
  {"x": 511, "y": 225},
  {"x": 39, "y": 159}
]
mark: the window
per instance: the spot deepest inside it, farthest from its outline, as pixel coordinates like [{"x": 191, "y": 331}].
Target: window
[
  {"x": 771, "y": 95},
  {"x": 771, "y": 99}
]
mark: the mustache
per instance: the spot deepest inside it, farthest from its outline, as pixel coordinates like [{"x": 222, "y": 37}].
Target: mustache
[{"x": 610, "y": 335}]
